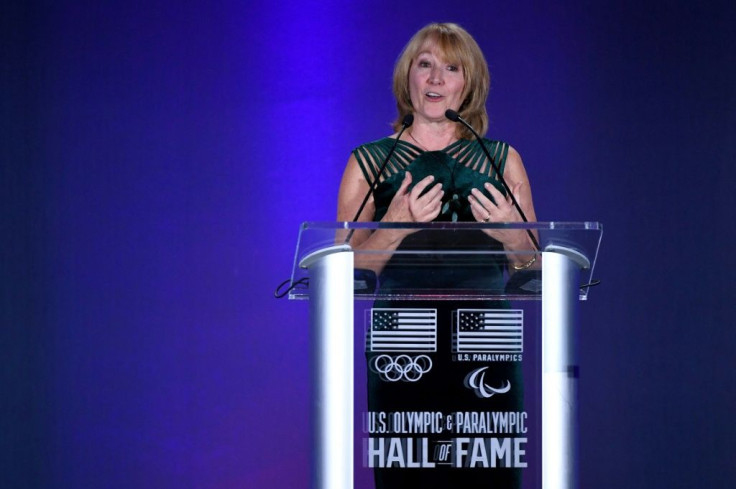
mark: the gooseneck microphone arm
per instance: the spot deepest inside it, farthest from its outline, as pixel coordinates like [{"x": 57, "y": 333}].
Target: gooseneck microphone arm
[
  {"x": 405, "y": 123},
  {"x": 455, "y": 117}
]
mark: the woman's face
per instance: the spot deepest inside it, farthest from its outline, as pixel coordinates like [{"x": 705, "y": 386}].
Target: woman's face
[{"x": 435, "y": 85}]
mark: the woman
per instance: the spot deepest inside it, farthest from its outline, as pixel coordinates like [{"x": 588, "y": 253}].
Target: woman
[{"x": 438, "y": 171}]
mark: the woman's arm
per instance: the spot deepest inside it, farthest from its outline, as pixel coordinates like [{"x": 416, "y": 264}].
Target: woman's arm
[
  {"x": 406, "y": 206},
  {"x": 484, "y": 210}
]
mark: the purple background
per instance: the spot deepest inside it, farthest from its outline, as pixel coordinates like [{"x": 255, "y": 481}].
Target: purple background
[{"x": 158, "y": 157}]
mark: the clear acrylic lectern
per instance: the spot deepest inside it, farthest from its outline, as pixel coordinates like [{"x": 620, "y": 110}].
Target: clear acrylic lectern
[{"x": 341, "y": 286}]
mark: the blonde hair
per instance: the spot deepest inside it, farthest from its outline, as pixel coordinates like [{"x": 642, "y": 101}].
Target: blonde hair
[{"x": 458, "y": 47}]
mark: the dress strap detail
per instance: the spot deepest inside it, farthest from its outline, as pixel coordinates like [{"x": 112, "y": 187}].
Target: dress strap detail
[{"x": 467, "y": 153}]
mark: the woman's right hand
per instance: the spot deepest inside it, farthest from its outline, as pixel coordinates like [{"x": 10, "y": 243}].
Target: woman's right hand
[{"x": 411, "y": 206}]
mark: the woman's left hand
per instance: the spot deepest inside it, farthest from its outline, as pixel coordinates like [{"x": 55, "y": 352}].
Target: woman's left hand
[{"x": 503, "y": 210}]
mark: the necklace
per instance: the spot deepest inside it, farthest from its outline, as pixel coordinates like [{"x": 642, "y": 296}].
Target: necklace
[
  {"x": 418, "y": 143},
  {"x": 421, "y": 146}
]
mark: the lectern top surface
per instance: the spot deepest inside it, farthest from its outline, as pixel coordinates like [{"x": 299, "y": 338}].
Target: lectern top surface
[{"x": 447, "y": 261}]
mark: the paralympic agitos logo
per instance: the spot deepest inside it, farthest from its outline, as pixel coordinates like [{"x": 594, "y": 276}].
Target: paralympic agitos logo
[{"x": 476, "y": 381}]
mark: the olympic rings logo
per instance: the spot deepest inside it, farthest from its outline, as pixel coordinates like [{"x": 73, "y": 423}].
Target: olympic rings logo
[{"x": 403, "y": 367}]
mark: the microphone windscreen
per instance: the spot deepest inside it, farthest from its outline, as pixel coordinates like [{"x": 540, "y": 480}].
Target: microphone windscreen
[
  {"x": 407, "y": 120},
  {"x": 452, "y": 115}
]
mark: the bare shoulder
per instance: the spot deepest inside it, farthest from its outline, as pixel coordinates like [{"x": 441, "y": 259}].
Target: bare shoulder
[
  {"x": 352, "y": 177},
  {"x": 513, "y": 157},
  {"x": 514, "y": 169},
  {"x": 352, "y": 187}
]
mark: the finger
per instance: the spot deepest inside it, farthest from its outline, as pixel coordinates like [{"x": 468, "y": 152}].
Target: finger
[
  {"x": 429, "y": 205},
  {"x": 404, "y": 184},
  {"x": 497, "y": 196},
  {"x": 479, "y": 211},
  {"x": 434, "y": 204},
  {"x": 421, "y": 185},
  {"x": 434, "y": 193},
  {"x": 435, "y": 212},
  {"x": 475, "y": 202},
  {"x": 480, "y": 199}
]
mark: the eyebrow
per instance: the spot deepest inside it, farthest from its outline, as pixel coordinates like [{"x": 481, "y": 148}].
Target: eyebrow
[{"x": 442, "y": 56}]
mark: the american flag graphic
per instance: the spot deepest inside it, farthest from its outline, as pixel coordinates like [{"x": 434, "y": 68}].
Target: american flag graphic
[
  {"x": 489, "y": 330},
  {"x": 402, "y": 330}
]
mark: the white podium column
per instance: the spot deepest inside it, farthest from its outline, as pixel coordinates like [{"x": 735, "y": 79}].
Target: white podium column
[
  {"x": 560, "y": 294},
  {"x": 331, "y": 314}
]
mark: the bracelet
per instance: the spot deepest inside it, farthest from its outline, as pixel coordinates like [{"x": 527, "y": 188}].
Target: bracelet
[{"x": 526, "y": 265}]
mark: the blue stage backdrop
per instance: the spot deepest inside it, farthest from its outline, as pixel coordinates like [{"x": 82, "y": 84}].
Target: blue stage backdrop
[{"x": 158, "y": 157}]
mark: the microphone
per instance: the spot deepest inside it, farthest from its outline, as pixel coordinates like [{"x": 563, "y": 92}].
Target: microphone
[
  {"x": 405, "y": 123},
  {"x": 455, "y": 117},
  {"x": 364, "y": 280}
]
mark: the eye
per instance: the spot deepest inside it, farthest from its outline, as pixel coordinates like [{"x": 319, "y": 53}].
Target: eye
[
  {"x": 423, "y": 63},
  {"x": 453, "y": 68}
]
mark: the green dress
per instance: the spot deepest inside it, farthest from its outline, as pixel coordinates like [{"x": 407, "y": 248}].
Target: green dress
[{"x": 443, "y": 387}]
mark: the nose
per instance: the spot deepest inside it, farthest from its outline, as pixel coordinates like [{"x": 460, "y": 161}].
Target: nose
[{"x": 435, "y": 75}]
